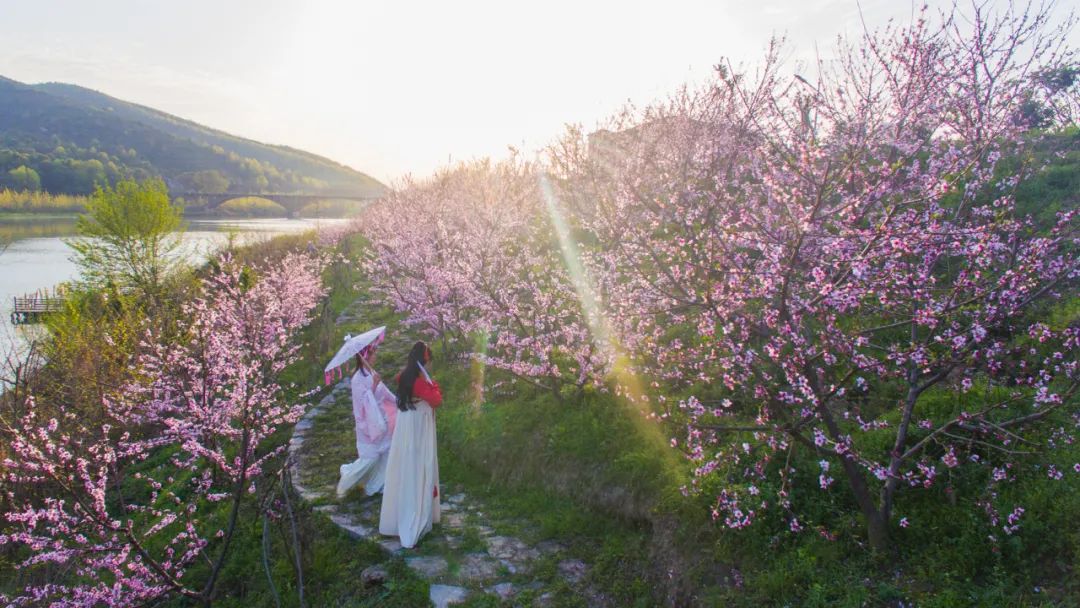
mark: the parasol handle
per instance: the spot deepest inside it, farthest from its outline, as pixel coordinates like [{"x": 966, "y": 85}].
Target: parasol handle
[{"x": 375, "y": 379}]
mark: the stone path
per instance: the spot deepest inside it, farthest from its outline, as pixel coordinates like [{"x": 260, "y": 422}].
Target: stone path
[{"x": 473, "y": 552}]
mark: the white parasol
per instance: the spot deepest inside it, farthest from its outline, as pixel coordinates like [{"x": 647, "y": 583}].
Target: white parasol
[{"x": 352, "y": 345}]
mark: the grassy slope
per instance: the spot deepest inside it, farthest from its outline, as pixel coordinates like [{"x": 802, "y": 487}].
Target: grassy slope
[
  {"x": 587, "y": 469},
  {"x": 944, "y": 559}
]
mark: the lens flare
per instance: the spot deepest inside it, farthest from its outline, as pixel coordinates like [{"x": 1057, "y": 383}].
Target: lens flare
[{"x": 627, "y": 380}]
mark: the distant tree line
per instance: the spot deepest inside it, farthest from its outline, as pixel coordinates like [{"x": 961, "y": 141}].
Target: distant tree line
[{"x": 64, "y": 167}]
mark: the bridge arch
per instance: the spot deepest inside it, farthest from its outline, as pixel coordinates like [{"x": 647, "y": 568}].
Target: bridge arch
[{"x": 292, "y": 203}]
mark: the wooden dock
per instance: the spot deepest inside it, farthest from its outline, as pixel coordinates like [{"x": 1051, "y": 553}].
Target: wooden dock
[{"x": 31, "y": 309}]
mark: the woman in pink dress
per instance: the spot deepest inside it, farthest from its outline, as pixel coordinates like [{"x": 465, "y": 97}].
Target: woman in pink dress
[{"x": 374, "y": 413}]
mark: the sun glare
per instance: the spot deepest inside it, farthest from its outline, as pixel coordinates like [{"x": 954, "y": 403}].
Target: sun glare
[{"x": 627, "y": 380}]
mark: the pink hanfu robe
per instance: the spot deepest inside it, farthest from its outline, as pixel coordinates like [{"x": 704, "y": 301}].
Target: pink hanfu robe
[{"x": 375, "y": 414}]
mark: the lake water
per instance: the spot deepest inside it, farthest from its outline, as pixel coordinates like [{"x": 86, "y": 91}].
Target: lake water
[{"x": 36, "y": 256}]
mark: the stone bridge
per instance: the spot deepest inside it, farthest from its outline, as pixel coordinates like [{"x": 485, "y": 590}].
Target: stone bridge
[{"x": 202, "y": 202}]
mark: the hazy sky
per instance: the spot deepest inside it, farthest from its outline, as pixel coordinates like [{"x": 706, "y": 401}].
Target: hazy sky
[{"x": 404, "y": 86}]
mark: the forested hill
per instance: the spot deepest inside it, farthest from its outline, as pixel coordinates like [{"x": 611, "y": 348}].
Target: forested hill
[{"x": 64, "y": 138}]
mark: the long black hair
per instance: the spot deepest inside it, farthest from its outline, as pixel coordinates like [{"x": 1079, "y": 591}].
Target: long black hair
[
  {"x": 360, "y": 362},
  {"x": 360, "y": 356},
  {"x": 409, "y": 375}
]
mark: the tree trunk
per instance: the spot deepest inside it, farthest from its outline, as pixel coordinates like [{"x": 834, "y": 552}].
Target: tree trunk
[{"x": 877, "y": 531}]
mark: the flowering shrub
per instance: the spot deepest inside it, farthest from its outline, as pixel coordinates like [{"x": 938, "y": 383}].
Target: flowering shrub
[
  {"x": 470, "y": 252},
  {"x": 841, "y": 249},
  {"x": 129, "y": 532}
]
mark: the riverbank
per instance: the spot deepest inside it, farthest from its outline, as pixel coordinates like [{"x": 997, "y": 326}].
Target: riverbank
[
  {"x": 34, "y": 255},
  {"x": 12, "y": 201}
]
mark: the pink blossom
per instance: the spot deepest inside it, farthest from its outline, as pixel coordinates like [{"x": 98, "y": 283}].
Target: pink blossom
[
  {"x": 208, "y": 399},
  {"x": 950, "y": 459}
]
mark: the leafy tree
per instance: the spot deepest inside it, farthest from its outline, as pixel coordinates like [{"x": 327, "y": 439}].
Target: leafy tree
[
  {"x": 88, "y": 173},
  {"x": 24, "y": 178},
  {"x": 130, "y": 234},
  {"x": 210, "y": 181}
]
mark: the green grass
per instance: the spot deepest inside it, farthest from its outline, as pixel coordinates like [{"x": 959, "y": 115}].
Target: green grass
[
  {"x": 587, "y": 472},
  {"x": 604, "y": 454},
  {"x": 332, "y": 208}
]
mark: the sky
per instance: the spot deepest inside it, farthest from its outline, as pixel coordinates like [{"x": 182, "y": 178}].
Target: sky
[{"x": 403, "y": 87}]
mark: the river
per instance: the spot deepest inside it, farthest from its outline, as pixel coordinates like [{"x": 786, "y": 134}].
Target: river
[{"x": 36, "y": 256}]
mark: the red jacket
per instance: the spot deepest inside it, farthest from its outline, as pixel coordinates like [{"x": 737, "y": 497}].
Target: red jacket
[{"x": 428, "y": 391}]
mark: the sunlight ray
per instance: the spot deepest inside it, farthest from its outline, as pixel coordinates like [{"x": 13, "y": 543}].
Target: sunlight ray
[{"x": 628, "y": 382}]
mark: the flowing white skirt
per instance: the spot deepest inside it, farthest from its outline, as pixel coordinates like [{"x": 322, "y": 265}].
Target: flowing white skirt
[
  {"x": 409, "y": 504},
  {"x": 369, "y": 471}
]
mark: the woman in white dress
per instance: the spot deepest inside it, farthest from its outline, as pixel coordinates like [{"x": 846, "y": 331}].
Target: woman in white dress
[
  {"x": 374, "y": 413},
  {"x": 410, "y": 503}
]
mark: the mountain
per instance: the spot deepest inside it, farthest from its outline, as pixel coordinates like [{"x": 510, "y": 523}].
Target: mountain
[{"x": 64, "y": 138}]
